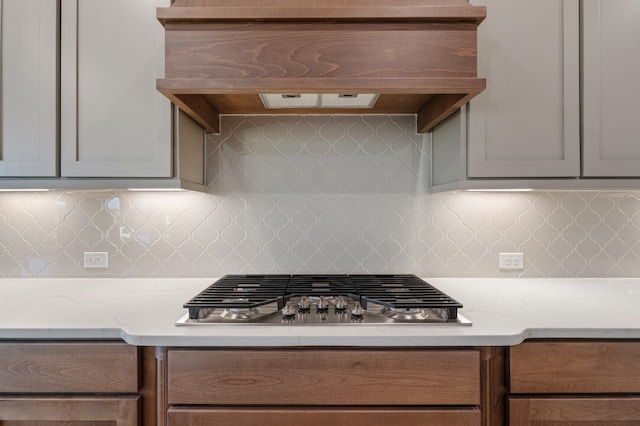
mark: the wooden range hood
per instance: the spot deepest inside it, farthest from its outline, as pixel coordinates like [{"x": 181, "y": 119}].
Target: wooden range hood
[{"x": 410, "y": 56}]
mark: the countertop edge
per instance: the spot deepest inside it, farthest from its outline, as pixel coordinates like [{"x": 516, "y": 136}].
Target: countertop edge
[{"x": 143, "y": 312}]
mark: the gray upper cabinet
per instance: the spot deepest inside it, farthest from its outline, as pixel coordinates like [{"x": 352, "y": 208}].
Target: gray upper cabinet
[
  {"x": 28, "y": 91},
  {"x": 80, "y": 109},
  {"x": 526, "y": 122},
  {"x": 114, "y": 123},
  {"x": 611, "y": 58},
  {"x": 526, "y": 125}
]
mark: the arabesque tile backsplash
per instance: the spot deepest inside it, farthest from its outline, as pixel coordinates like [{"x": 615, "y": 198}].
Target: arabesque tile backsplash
[{"x": 319, "y": 194}]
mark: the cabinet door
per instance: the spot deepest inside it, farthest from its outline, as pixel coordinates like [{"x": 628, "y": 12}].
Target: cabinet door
[
  {"x": 526, "y": 122},
  {"x": 575, "y": 367},
  {"x": 114, "y": 123},
  {"x": 85, "y": 411},
  {"x": 64, "y": 367},
  {"x": 574, "y": 411},
  {"x": 324, "y": 417},
  {"x": 28, "y": 87},
  {"x": 611, "y": 68}
]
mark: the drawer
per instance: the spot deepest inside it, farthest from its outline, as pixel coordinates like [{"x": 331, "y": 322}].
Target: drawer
[
  {"x": 574, "y": 411},
  {"x": 324, "y": 377},
  {"x": 70, "y": 410},
  {"x": 324, "y": 417},
  {"x": 96, "y": 367},
  {"x": 575, "y": 367}
]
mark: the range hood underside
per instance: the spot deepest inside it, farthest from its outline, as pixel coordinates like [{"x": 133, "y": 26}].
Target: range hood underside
[{"x": 220, "y": 64}]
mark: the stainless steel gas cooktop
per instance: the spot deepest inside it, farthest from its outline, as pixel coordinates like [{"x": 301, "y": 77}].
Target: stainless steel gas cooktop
[{"x": 322, "y": 300}]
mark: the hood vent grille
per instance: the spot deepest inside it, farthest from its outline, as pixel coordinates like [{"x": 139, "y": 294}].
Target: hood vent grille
[
  {"x": 320, "y": 57},
  {"x": 311, "y": 100}
]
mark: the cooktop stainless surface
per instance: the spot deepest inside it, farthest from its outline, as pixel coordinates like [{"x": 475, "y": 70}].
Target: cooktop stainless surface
[{"x": 322, "y": 300}]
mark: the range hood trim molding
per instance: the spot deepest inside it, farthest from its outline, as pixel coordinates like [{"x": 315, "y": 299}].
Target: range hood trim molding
[
  {"x": 414, "y": 13},
  {"x": 419, "y": 55},
  {"x": 321, "y": 85},
  {"x": 188, "y": 95}
]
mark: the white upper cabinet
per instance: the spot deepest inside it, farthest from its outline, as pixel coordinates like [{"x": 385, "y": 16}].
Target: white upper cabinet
[
  {"x": 114, "y": 123},
  {"x": 526, "y": 123},
  {"x": 611, "y": 76},
  {"x": 28, "y": 88}
]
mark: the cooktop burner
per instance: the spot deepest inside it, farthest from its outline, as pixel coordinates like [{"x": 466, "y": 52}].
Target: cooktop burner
[
  {"x": 322, "y": 299},
  {"x": 240, "y": 292}
]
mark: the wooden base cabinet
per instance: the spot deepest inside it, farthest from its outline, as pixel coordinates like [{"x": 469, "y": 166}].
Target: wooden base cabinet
[
  {"x": 69, "y": 383},
  {"x": 318, "y": 387},
  {"x": 578, "y": 383}
]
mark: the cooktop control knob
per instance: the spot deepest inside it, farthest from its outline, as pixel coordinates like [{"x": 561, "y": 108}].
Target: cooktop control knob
[
  {"x": 341, "y": 304},
  {"x": 323, "y": 304},
  {"x": 288, "y": 310},
  {"x": 304, "y": 304},
  {"x": 357, "y": 310}
]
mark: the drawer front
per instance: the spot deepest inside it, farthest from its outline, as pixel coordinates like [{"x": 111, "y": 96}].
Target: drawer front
[
  {"x": 575, "y": 367},
  {"x": 574, "y": 411},
  {"x": 68, "y": 368},
  {"x": 324, "y": 417},
  {"x": 77, "y": 411},
  {"x": 324, "y": 377}
]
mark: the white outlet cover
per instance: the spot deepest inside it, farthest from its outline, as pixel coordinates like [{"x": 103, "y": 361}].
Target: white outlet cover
[
  {"x": 513, "y": 261},
  {"x": 96, "y": 259}
]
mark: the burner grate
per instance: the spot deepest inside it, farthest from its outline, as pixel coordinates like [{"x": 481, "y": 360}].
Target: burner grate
[
  {"x": 248, "y": 292},
  {"x": 321, "y": 285},
  {"x": 403, "y": 292},
  {"x": 240, "y": 292}
]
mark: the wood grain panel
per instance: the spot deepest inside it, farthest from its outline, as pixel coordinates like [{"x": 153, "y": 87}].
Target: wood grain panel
[
  {"x": 68, "y": 367},
  {"x": 161, "y": 386},
  {"x": 149, "y": 378},
  {"x": 575, "y": 367},
  {"x": 574, "y": 412},
  {"x": 441, "y": 107},
  {"x": 323, "y": 417},
  {"x": 198, "y": 108},
  {"x": 321, "y": 85},
  {"x": 118, "y": 411},
  {"x": 324, "y": 377},
  {"x": 320, "y": 50},
  {"x": 493, "y": 385}
]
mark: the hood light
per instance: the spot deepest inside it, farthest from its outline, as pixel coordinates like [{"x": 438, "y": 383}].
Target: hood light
[
  {"x": 155, "y": 189},
  {"x": 313, "y": 100},
  {"x": 24, "y": 190},
  {"x": 500, "y": 190}
]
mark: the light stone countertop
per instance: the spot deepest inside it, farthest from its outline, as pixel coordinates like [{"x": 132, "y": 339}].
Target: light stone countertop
[{"x": 143, "y": 311}]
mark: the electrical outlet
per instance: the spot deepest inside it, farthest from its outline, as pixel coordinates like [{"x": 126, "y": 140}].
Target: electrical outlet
[
  {"x": 96, "y": 259},
  {"x": 511, "y": 261}
]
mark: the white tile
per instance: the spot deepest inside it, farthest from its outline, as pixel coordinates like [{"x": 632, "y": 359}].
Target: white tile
[{"x": 338, "y": 194}]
